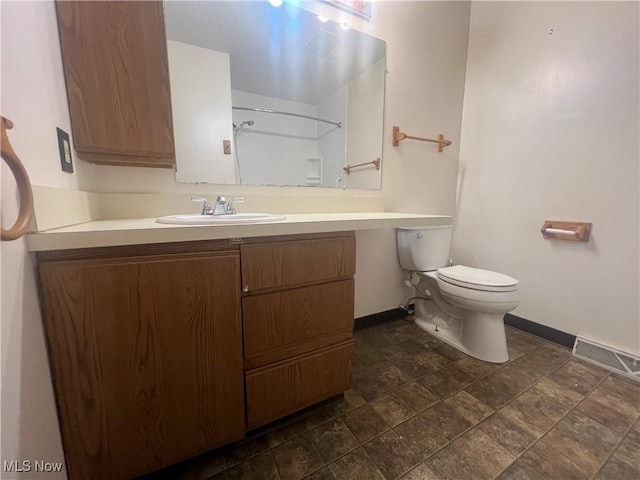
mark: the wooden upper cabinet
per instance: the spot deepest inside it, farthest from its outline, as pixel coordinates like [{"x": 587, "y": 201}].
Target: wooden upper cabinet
[{"x": 115, "y": 64}]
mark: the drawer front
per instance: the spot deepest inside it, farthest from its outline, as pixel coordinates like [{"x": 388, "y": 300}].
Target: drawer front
[
  {"x": 292, "y": 263},
  {"x": 288, "y": 386},
  {"x": 284, "y": 324}
]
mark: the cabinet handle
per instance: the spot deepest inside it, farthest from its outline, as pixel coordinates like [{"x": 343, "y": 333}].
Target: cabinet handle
[{"x": 245, "y": 288}]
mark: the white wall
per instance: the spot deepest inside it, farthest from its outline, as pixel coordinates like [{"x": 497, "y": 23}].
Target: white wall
[
  {"x": 550, "y": 131},
  {"x": 201, "y": 108},
  {"x": 33, "y": 96}
]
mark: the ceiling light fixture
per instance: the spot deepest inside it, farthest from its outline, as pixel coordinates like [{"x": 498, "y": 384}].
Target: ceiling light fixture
[
  {"x": 276, "y": 3},
  {"x": 344, "y": 25},
  {"x": 323, "y": 19}
]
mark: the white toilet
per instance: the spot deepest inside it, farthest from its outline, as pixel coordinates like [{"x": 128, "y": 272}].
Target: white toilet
[{"x": 467, "y": 305}]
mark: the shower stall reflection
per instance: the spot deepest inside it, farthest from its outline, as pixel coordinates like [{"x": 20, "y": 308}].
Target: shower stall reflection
[{"x": 288, "y": 143}]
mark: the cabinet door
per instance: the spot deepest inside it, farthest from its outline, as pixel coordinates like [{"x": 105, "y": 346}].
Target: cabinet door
[
  {"x": 147, "y": 359},
  {"x": 115, "y": 64}
]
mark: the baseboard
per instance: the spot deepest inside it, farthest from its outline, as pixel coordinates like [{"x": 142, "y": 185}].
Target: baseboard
[
  {"x": 379, "y": 318},
  {"x": 556, "y": 336},
  {"x": 551, "y": 334}
]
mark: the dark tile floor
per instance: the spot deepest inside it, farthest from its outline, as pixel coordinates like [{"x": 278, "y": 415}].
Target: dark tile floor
[{"x": 420, "y": 409}]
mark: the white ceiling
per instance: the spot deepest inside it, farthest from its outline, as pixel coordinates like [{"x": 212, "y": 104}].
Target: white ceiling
[{"x": 282, "y": 52}]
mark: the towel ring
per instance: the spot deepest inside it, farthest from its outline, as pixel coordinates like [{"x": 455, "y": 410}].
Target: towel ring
[{"x": 10, "y": 157}]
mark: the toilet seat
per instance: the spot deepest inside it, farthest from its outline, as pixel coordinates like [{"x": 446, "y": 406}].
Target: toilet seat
[{"x": 477, "y": 279}]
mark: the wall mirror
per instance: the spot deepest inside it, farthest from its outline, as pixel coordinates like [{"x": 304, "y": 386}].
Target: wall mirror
[{"x": 265, "y": 95}]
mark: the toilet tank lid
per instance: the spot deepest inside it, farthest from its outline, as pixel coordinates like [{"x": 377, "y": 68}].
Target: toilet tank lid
[{"x": 477, "y": 276}]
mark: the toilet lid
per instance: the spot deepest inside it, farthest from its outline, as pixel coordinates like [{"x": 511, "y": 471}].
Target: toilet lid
[{"x": 477, "y": 278}]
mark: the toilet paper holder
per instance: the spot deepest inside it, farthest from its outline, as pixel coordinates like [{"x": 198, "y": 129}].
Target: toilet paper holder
[{"x": 570, "y": 231}]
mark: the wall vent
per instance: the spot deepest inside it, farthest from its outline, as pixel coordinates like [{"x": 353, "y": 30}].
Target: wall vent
[{"x": 607, "y": 357}]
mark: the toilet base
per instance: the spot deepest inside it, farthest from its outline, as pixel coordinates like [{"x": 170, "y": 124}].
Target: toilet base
[{"x": 479, "y": 335}]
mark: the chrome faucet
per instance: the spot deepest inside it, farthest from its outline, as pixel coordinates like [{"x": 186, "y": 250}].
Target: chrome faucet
[{"x": 222, "y": 207}]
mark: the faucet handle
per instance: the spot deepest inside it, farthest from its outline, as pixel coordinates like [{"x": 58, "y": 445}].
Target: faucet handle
[
  {"x": 231, "y": 207},
  {"x": 206, "y": 206}
]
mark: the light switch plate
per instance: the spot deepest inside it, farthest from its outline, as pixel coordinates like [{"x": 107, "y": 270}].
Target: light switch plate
[{"x": 64, "y": 148}]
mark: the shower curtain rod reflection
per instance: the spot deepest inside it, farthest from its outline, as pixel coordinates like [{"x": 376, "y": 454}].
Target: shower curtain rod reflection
[{"x": 291, "y": 114}]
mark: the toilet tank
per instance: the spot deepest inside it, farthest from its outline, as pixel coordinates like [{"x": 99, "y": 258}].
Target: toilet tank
[{"x": 421, "y": 249}]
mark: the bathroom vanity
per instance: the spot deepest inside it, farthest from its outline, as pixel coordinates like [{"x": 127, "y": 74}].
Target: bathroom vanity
[
  {"x": 167, "y": 341},
  {"x": 161, "y": 352}
]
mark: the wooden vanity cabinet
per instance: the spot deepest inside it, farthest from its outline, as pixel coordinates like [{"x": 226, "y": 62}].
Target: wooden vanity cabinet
[
  {"x": 298, "y": 322},
  {"x": 114, "y": 56},
  {"x": 145, "y": 345}
]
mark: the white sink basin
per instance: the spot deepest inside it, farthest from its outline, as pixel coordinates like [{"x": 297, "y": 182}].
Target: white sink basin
[{"x": 238, "y": 218}]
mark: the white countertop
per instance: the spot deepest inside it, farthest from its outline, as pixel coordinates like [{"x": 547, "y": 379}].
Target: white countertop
[{"x": 135, "y": 231}]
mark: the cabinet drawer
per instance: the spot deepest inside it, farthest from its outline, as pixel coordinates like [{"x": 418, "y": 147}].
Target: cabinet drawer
[
  {"x": 283, "y": 388},
  {"x": 299, "y": 262},
  {"x": 284, "y": 324}
]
